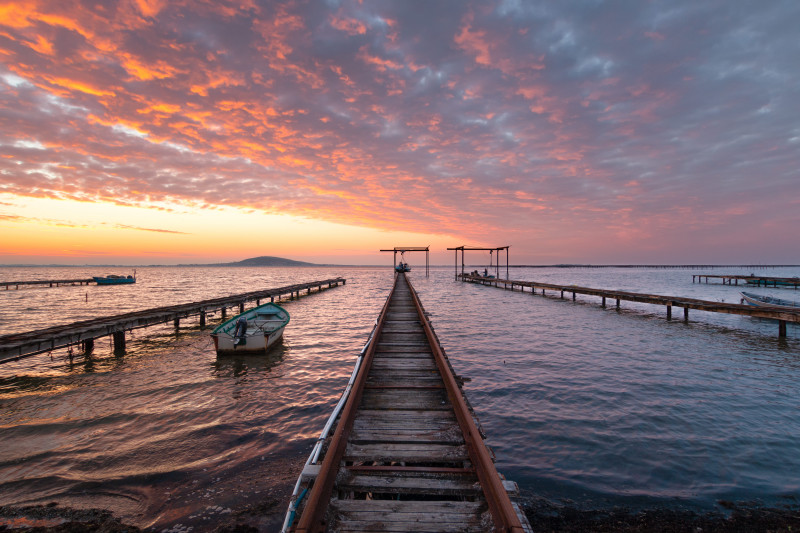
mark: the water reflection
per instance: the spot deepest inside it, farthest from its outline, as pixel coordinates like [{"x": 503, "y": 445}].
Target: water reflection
[{"x": 240, "y": 365}]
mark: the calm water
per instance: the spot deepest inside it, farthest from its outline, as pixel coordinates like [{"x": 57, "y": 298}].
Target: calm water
[{"x": 598, "y": 406}]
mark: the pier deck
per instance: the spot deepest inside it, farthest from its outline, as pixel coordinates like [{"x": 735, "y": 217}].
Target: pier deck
[
  {"x": 19, "y": 345},
  {"x": 48, "y": 282},
  {"x": 407, "y": 454},
  {"x": 758, "y": 281},
  {"x": 669, "y": 302}
]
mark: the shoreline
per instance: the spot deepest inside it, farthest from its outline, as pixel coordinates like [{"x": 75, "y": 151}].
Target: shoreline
[{"x": 543, "y": 515}]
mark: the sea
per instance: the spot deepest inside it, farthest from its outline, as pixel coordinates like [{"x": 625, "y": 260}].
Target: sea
[{"x": 582, "y": 405}]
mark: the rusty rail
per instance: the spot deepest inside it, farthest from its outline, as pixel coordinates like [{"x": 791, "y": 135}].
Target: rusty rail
[
  {"x": 316, "y": 505},
  {"x": 505, "y": 517}
]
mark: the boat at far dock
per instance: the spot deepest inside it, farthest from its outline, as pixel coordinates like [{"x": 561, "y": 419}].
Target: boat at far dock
[
  {"x": 115, "y": 280},
  {"x": 253, "y": 331},
  {"x": 770, "y": 302}
]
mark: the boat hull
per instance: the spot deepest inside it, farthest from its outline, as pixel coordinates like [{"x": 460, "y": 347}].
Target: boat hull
[
  {"x": 253, "y": 344},
  {"x": 264, "y": 328},
  {"x": 113, "y": 281},
  {"x": 768, "y": 302}
]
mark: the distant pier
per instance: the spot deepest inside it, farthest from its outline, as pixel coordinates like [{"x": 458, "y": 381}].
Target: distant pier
[
  {"x": 759, "y": 281},
  {"x": 668, "y": 301},
  {"x": 84, "y": 333},
  {"x": 49, "y": 282}
]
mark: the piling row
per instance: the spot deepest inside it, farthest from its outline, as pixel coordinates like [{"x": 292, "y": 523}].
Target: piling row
[
  {"x": 669, "y": 302},
  {"x": 49, "y": 282},
  {"x": 758, "y": 281},
  {"x": 84, "y": 333}
]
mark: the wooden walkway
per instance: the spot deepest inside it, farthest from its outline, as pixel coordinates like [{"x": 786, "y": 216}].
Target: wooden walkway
[
  {"x": 48, "y": 282},
  {"x": 758, "y": 281},
  {"x": 407, "y": 454},
  {"x": 669, "y": 302},
  {"x": 83, "y": 333}
]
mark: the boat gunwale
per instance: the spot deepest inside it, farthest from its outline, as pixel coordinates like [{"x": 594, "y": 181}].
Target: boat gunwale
[{"x": 218, "y": 330}]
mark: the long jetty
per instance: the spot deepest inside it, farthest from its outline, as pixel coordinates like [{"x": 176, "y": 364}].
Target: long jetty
[
  {"x": 782, "y": 316},
  {"x": 16, "y": 346},
  {"x": 758, "y": 281},
  {"x": 407, "y": 453},
  {"x": 49, "y": 282}
]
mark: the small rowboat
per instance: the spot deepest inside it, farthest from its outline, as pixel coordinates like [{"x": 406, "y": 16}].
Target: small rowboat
[
  {"x": 770, "y": 302},
  {"x": 402, "y": 267},
  {"x": 253, "y": 331}
]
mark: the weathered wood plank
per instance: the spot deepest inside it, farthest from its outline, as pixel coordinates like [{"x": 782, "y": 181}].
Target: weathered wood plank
[
  {"x": 449, "y": 435},
  {"x": 421, "y": 452},
  {"x": 438, "y": 485},
  {"x": 387, "y": 515}
]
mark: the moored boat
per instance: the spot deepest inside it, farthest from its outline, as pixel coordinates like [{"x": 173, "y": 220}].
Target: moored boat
[
  {"x": 402, "y": 267},
  {"x": 114, "y": 280},
  {"x": 253, "y": 331},
  {"x": 770, "y": 302}
]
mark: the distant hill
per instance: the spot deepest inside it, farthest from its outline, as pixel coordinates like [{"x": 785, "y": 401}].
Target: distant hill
[{"x": 268, "y": 261}]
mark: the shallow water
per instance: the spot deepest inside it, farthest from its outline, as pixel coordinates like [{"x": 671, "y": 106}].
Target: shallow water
[{"x": 598, "y": 406}]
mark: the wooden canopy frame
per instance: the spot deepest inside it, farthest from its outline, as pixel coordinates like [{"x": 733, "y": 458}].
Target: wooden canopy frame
[
  {"x": 497, "y": 249},
  {"x": 403, "y": 249}
]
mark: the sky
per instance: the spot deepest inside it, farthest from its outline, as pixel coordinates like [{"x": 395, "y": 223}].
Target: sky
[{"x": 619, "y": 132}]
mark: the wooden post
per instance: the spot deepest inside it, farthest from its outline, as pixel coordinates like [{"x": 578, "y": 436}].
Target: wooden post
[
  {"x": 224, "y": 311},
  {"x": 686, "y": 314},
  {"x": 604, "y": 301},
  {"x": 177, "y": 322},
  {"x": 669, "y": 312},
  {"x": 573, "y": 296},
  {"x": 202, "y": 319},
  {"x": 782, "y": 329},
  {"x": 241, "y": 308},
  {"x": 88, "y": 346},
  {"x": 617, "y": 303},
  {"x": 562, "y": 294},
  {"x": 119, "y": 342}
]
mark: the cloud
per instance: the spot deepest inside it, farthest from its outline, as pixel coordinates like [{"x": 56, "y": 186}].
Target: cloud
[{"x": 466, "y": 118}]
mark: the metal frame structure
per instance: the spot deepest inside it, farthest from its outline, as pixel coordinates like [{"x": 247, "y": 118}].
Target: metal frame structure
[
  {"x": 497, "y": 249},
  {"x": 403, "y": 249}
]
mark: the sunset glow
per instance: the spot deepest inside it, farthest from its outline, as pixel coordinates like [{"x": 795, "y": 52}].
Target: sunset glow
[{"x": 145, "y": 132}]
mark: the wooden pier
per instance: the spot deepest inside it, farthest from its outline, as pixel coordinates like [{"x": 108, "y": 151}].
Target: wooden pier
[
  {"x": 782, "y": 316},
  {"x": 49, "y": 282},
  {"x": 758, "y": 281},
  {"x": 84, "y": 333},
  {"x": 407, "y": 453}
]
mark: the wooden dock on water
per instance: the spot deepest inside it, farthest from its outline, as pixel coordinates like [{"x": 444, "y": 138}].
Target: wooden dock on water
[
  {"x": 407, "y": 453},
  {"x": 752, "y": 279},
  {"x": 18, "y": 345},
  {"x": 48, "y": 282},
  {"x": 782, "y": 316}
]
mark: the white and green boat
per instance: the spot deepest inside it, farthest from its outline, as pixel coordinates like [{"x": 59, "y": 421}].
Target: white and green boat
[{"x": 253, "y": 331}]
